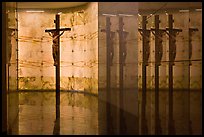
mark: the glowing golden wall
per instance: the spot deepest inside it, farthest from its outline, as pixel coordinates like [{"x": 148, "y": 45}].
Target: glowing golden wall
[{"x": 79, "y": 49}]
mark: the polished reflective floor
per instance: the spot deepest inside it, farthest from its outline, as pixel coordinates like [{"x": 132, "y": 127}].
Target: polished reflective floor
[{"x": 78, "y": 114}]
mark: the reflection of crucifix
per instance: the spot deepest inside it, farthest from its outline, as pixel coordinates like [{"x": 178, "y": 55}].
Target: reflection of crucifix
[
  {"x": 11, "y": 33},
  {"x": 146, "y": 53},
  {"x": 56, "y": 55},
  {"x": 172, "y": 33},
  {"x": 122, "y": 57}
]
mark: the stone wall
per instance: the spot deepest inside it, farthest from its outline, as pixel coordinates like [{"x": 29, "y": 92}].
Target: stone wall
[{"x": 78, "y": 48}]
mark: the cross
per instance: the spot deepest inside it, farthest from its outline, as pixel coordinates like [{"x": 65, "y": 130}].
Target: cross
[
  {"x": 55, "y": 34},
  {"x": 172, "y": 32}
]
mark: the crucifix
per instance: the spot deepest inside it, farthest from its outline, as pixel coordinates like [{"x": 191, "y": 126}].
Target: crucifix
[
  {"x": 11, "y": 33},
  {"x": 158, "y": 33},
  {"x": 55, "y": 34},
  {"x": 191, "y": 32},
  {"x": 109, "y": 62},
  {"x": 146, "y": 53},
  {"x": 172, "y": 33},
  {"x": 122, "y": 58}
]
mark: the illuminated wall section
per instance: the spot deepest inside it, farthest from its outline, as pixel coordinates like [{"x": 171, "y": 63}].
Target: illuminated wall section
[
  {"x": 79, "y": 53},
  {"x": 78, "y": 49}
]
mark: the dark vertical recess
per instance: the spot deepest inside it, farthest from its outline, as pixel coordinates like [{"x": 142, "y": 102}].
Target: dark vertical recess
[{"x": 4, "y": 73}]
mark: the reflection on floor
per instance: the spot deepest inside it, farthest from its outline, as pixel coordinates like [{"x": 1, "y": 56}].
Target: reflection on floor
[{"x": 79, "y": 113}]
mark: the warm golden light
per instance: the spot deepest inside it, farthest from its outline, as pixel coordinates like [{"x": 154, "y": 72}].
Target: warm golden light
[{"x": 34, "y": 11}]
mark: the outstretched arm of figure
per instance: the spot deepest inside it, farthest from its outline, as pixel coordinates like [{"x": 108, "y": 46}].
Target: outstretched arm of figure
[
  {"x": 61, "y": 34},
  {"x": 57, "y": 36},
  {"x": 50, "y": 33}
]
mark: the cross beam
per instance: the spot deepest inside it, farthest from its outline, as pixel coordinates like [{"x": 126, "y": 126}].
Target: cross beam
[
  {"x": 56, "y": 44},
  {"x": 54, "y": 30}
]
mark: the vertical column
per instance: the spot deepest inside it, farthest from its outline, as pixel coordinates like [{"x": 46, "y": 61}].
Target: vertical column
[{"x": 4, "y": 78}]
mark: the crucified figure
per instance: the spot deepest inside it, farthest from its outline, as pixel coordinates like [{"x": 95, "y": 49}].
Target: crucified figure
[
  {"x": 55, "y": 45},
  {"x": 11, "y": 34}
]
